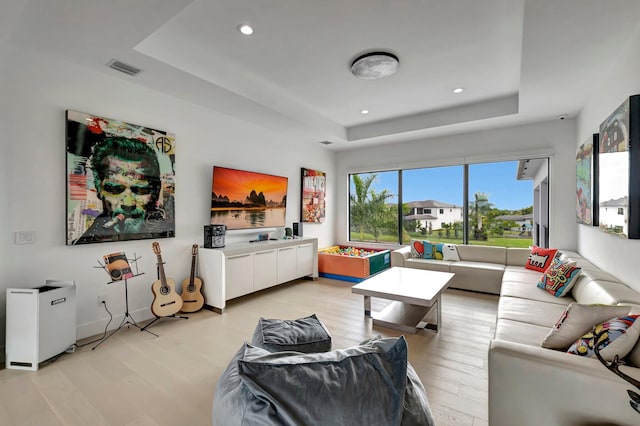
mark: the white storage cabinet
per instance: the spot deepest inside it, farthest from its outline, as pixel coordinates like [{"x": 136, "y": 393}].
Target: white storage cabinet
[
  {"x": 243, "y": 268},
  {"x": 41, "y": 323}
]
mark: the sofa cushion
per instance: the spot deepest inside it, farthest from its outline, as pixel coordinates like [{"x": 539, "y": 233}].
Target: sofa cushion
[
  {"x": 484, "y": 254},
  {"x": 306, "y": 335},
  {"x": 559, "y": 278},
  {"x": 529, "y": 311},
  {"x": 578, "y": 319},
  {"x": 530, "y": 291},
  {"x": 477, "y": 276},
  {"x": 570, "y": 256},
  {"x": 521, "y": 274},
  {"x": 619, "y": 338},
  {"x": 540, "y": 258},
  {"x": 428, "y": 264},
  {"x": 520, "y": 332},
  {"x": 517, "y": 256},
  {"x": 604, "y": 292},
  {"x": 592, "y": 273},
  {"x": 326, "y": 388}
]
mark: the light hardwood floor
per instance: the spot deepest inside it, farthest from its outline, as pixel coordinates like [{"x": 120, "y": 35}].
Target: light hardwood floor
[{"x": 134, "y": 378}]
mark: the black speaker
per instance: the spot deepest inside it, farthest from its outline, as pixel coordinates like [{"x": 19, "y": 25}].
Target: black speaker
[
  {"x": 214, "y": 235},
  {"x": 297, "y": 229},
  {"x": 208, "y": 234}
]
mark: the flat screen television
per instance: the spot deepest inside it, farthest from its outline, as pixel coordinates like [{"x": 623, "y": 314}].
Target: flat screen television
[{"x": 245, "y": 200}]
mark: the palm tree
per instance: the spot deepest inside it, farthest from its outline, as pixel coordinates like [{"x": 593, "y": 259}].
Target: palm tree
[
  {"x": 381, "y": 216},
  {"x": 481, "y": 206},
  {"x": 360, "y": 207}
]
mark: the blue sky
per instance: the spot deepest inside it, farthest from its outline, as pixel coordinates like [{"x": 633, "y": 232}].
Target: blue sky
[{"x": 498, "y": 180}]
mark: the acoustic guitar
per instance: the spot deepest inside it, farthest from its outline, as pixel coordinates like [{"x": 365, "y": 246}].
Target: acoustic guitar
[
  {"x": 192, "y": 298},
  {"x": 165, "y": 299}
]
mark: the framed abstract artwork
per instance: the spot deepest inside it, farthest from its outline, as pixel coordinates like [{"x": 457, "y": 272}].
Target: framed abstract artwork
[
  {"x": 120, "y": 180},
  {"x": 313, "y": 196},
  {"x": 619, "y": 171},
  {"x": 586, "y": 189}
]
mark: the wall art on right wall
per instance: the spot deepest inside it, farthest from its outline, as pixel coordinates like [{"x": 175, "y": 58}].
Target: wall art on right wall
[
  {"x": 619, "y": 171},
  {"x": 586, "y": 189}
]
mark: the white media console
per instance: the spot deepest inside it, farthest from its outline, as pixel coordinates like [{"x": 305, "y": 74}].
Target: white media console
[{"x": 243, "y": 268}]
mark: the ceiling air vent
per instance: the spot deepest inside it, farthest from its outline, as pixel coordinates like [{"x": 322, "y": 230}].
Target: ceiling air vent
[
  {"x": 326, "y": 142},
  {"x": 122, "y": 67}
]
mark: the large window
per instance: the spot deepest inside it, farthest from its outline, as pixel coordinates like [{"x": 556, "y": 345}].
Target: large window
[
  {"x": 500, "y": 205},
  {"x": 432, "y": 205},
  {"x": 497, "y": 207},
  {"x": 373, "y": 207}
]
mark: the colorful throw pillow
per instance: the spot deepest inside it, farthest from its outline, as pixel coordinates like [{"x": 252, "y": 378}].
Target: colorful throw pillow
[
  {"x": 633, "y": 359},
  {"x": 433, "y": 250},
  {"x": 619, "y": 336},
  {"x": 576, "y": 320},
  {"x": 417, "y": 249},
  {"x": 559, "y": 278},
  {"x": 540, "y": 258},
  {"x": 450, "y": 252}
]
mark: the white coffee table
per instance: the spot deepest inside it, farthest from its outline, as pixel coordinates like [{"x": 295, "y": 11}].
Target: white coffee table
[{"x": 415, "y": 293}]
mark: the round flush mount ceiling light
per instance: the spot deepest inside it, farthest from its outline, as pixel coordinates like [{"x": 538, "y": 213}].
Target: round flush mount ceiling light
[
  {"x": 374, "y": 65},
  {"x": 458, "y": 90},
  {"x": 245, "y": 29},
  {"x": 364, "y": 111}
]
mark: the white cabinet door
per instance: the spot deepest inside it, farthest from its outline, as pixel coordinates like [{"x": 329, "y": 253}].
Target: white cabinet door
[
  {"x": 265, "y": 269},
  {"x": 287, "y": 264},
  {"x": 304, "y": 260},
  {"x": 239, "y": 279}
]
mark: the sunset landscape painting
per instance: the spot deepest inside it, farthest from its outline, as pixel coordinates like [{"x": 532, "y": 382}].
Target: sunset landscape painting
[{"x": 243, "y": 200}]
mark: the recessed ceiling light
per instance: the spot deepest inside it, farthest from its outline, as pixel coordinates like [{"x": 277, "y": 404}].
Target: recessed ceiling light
[
  {"x": 245, "y": 29},
  {"x": 458, "y": 90},
  {"x": 364, "y": 111}
]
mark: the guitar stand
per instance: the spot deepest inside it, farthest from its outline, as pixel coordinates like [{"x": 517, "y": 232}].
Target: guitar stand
[
  {"x": 174, "y": 316},
  {"x": 127, "y": 320}
]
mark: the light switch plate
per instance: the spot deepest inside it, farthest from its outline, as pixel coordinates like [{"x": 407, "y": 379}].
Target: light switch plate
[{"x": 25, "y": 237}]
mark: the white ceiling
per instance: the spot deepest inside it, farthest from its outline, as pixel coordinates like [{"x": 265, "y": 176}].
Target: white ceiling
[{"x": 518, "y": 60}]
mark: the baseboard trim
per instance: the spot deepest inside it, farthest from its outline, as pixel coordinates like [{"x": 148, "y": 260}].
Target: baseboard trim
[{"x": 94, "y": 328}]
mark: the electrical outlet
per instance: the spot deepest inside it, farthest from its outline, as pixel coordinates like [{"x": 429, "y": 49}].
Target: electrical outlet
[{"x": 102, "y": 298}]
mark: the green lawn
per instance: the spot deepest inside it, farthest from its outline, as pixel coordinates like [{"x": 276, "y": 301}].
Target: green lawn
[{"x": 504, "y": 241}]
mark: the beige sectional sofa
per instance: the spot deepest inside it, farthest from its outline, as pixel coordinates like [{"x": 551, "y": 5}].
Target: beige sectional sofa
[
  {"x": 529, "y": 384},
  {"x": 480, "y": 268}
]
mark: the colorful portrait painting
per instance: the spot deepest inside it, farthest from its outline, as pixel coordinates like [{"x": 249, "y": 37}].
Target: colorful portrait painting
[
  {"x": 313, "y": 196},
  {"x": 120, "y": 180},
  {"x": 584, "y": 183}
]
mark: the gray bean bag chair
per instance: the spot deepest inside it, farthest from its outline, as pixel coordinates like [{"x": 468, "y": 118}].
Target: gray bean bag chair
[{"x": 368, "y": 384}]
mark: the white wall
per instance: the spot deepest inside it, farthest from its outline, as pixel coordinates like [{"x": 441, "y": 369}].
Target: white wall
[
  {"x": 614, "y": 254},
  {"x": 527, "y": 141},
  {"x": 39, "y": 90},
  {"x": 8, "y": 139}
]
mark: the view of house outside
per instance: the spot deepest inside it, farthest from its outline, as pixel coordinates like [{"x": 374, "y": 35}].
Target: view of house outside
[{"x": 500, "y": 209}]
